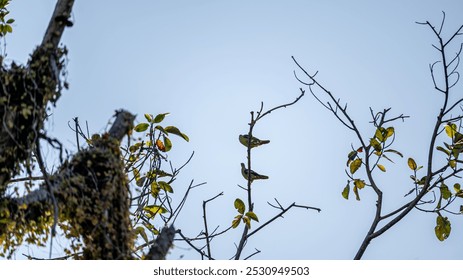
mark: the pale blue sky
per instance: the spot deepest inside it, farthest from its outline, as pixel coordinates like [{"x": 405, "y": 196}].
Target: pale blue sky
[{"x": 209, "y": 63}]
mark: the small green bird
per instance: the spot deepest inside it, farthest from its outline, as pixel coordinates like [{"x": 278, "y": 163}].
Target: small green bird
[
  {"x": 255, "y": 142},
  {"x": 254, "y": 175}
]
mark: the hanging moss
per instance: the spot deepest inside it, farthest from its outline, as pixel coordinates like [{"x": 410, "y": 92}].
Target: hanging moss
[
  {"x": 94, "y": 199},
  {"x": 25, "y": 94}
]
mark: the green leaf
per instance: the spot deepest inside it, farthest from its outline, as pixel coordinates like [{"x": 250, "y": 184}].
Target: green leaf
[
  {"x": 141, "y": 127},
  {"x": 140, "y": 181},
  {"x": 351, "y": 156},
  {"x": 458, "y": 137},
  {"x": 360, "y": 184},
  {"x": 160, "y": 117},
  {"x": 345, "y": 191},
  {"x": 389, "y": 132},
  {"x": 394, "y": 151},
  {"x": 457, "y": 187},
  {"x": 452, "y": 163},
  {"x": 157, "y": 173},
  {"x": 160, "y": 128},
  {"x": 375, "y": 144},
  {"x": 149, "y": 117},
  {"x": 236, "y": 221},
  {"x": 165, "y": 186},
  {"x": 355, "y": 165},
  {"x": 442, "y": 149},
  {"x": 379, "y": 134},
  {"x": 458, "y": 190},
  {"x": 443, "y": 228},
  {"x": 176, "y": 131},
  {"x": 445, "y": 192},
  {"x": 252, "y": 215},
  {"x": 381, "y": 167},
  {"x": 141, "y": 231},
  {"x": 239, "y": 205},
  {"x": 412, "y": 164},
  {"x": 10, "y": 21},
  {"x": 451, "y": 129},
  {"x": 386, "y": 157},
  {"x": 167, "y": 144},
  {"x": 155, "y": 189},
  {"x": 247, "y": 221},
  {"x": 135, "y": 147},
  {"x": 151, "y": 228},
  {"x": 421, "y": 181},
  {"x": 356, "y": 192}
]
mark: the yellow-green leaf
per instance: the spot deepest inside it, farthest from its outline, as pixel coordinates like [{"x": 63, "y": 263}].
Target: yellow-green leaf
[
  {"x": 247, "y": 221},
  {"x": 360, "y": 184},
  {"x": 345, "y": 191},
  {"x": 141, "y": 231},
  {"x": 452, "y": 163},
  {"x": 351, "y": 156},
  {"x": 375, "y": 144},
  {"x": 379, "y": 134},
  {"x": 160, "y": 117},
  {"x": 451, "y": 129},
  {"x": 167, "y": 143},
  {"x": 157, "y": 173},
  {"x": 389, "y": 132},
  {"x": 355, "y": 165},
  {"x": 152, "y": 210},
  {"x": 176, "y": 131},
  {"x": 386, "y": 157},
  {"x": 141, "y": 127},
  {"x": 443, "y": 228},
  {"x": 252, "y": 215},
  {"x": 381, "y": 167},
  {"x": 149, "y": 117},
  {"x": 134, "y": 147},
  {"x": 457, "y": 187},
  {"x": 165, "y": 186},
  {"x": 393, "y": 151},
  {"x": 236, "y": 221},
  {"x": 356, "y": 192},
  {"x": 140, "y": 181},
  {"x": 155, "y": 189},
  {"x": 239, "y": 205},
  {"x": 445, "y": 192},
  {"x": 412, "y": 164},
  {"x": 151, "y": 228},
  {"x": 160, "y": 128},
  {"x": 442, "y": 149}
]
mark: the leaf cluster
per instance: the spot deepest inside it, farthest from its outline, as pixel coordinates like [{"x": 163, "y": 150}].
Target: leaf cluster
[
  {"x": 5, "y": 23},
  {"x": 144, "y": 158}
]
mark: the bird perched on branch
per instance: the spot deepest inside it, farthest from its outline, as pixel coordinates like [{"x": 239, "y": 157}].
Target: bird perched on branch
[
  {"x": 255, "y": 142},
  {"x": 254, "y": 175}
]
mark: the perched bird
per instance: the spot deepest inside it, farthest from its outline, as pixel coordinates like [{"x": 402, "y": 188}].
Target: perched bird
[
  {"x": 254, "y": 175},
  {"x": 255, "y": 142}
]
